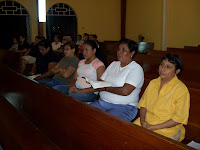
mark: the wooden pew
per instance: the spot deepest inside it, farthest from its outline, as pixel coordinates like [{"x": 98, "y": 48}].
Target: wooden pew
[
  {"x": 72, "y": 124},
  {"x": 17, "y": 133},
  {"x": 192, "y": 50},
  {"x": 190, "y": 75},
  {"x": 11, "y": 59},
  {"x": 186, "y": 56},
  {"x": 190, "y": 60},
  {"x": 191, "y": 47},
  {"x": 110, "y": 49}
]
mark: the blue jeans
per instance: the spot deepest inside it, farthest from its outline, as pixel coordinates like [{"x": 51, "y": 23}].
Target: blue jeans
[
  {"x": 50, "y": 82},
  {"x": 126, "y": 112},
  {"x": 84, "y": 97},
  {"x": 62, "y": 88}
]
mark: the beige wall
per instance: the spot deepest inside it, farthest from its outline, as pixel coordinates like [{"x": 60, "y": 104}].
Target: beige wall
[
  {"x": 184, "y": 23},
  {"x": 145, "y": 17},
  {"x": 101, "y": 17}
]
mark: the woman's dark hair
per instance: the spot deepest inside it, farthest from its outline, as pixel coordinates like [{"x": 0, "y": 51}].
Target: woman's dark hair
[
  {"x": 45, "y": 43},
  {"x": 99, "y": 53},
  {"x": 174, "y": 59},
  {"x": 80, "y": 36},
  {"x": 92, "y": 43},
  {"x": 132, "y": 45},
  {"x": 38, "y": 37},
  {"x": 22, "y": 35}
]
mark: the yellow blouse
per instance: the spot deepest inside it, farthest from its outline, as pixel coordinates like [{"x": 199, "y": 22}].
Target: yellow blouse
[{"x": 173, "y": 102}]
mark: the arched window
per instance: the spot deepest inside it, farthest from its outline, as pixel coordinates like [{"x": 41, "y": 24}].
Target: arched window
[
  {"x": 14, "y": 22},
  {"x": 61, "y": 20}
]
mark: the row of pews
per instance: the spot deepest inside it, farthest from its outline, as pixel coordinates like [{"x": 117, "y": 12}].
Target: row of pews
[
  {"x": 61, "y": 122},
  {"x": 53, "y": 120}
]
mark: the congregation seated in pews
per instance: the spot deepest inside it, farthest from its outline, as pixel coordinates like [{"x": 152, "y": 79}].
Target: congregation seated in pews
[
  {"x": 72, "y": 124},
  {"x": 117, "y": 91}
]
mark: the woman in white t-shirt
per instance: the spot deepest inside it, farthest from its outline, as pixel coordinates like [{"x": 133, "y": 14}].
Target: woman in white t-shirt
[{"x": 127, "y": 78}]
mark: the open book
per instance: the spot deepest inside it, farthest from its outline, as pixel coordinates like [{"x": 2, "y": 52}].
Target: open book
[
  {"x": 98, "y": 84},
  {"x": 194, "y": 145},
  {"x": 34, "y": 76}
]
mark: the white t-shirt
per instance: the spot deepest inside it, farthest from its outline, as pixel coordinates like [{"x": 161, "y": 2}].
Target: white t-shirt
[
  {"x": 55, "y": 46},
  {"x": 132, "y": 74}
]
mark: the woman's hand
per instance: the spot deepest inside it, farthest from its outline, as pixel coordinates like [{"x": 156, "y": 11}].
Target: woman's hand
[
  {"x": 72, "y": 89},
  {"x": 37, "y": 78},
  {"x": 144, "y": 124},
  {"x": 150, "y": 127}
]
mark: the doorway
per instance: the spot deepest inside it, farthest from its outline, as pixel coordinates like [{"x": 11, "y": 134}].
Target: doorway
[
  {"x": 61, "y": 20},
  {"x": 15, "y": 22}
]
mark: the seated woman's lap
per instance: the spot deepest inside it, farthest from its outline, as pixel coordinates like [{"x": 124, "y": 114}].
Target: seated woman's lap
[
  {"x": 126, "y": 112},
  {"x": 84, "y": 97},
  {"x": 62, "y": 88},
  {"x": 50, "y": 82},
  {"x": 45, "y": 80}
]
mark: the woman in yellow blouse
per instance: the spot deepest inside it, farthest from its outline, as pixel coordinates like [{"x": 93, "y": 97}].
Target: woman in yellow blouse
[{"x": 164, "y": 106}]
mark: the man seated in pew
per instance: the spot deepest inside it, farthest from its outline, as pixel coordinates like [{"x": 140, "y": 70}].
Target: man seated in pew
[
  {"x": 63, "y": 71},
  {"x": 23, "y": 46},
  {"x": 46, "y": 59},
  {"x": 90, "y": 67},
  {"x": 164, "y": 106},
  {"x": 127, "y": 78},
  {"x": 30, "y": 56}
]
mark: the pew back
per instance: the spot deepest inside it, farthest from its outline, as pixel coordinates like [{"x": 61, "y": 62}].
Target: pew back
[
  {"x": 190, "y": 75},
  {"x": 191, "y": 50},
  {"x": 72, "y": 124},
  {"x": 17, "y": 133}
]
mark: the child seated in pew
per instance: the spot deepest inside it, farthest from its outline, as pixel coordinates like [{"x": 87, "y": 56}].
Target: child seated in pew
[
  {"x": 127, "y": 78},
  {"x": 164, "y": 106},
  {"x": 63, "y": 71},
  {"x": 90, "y": 67}
]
